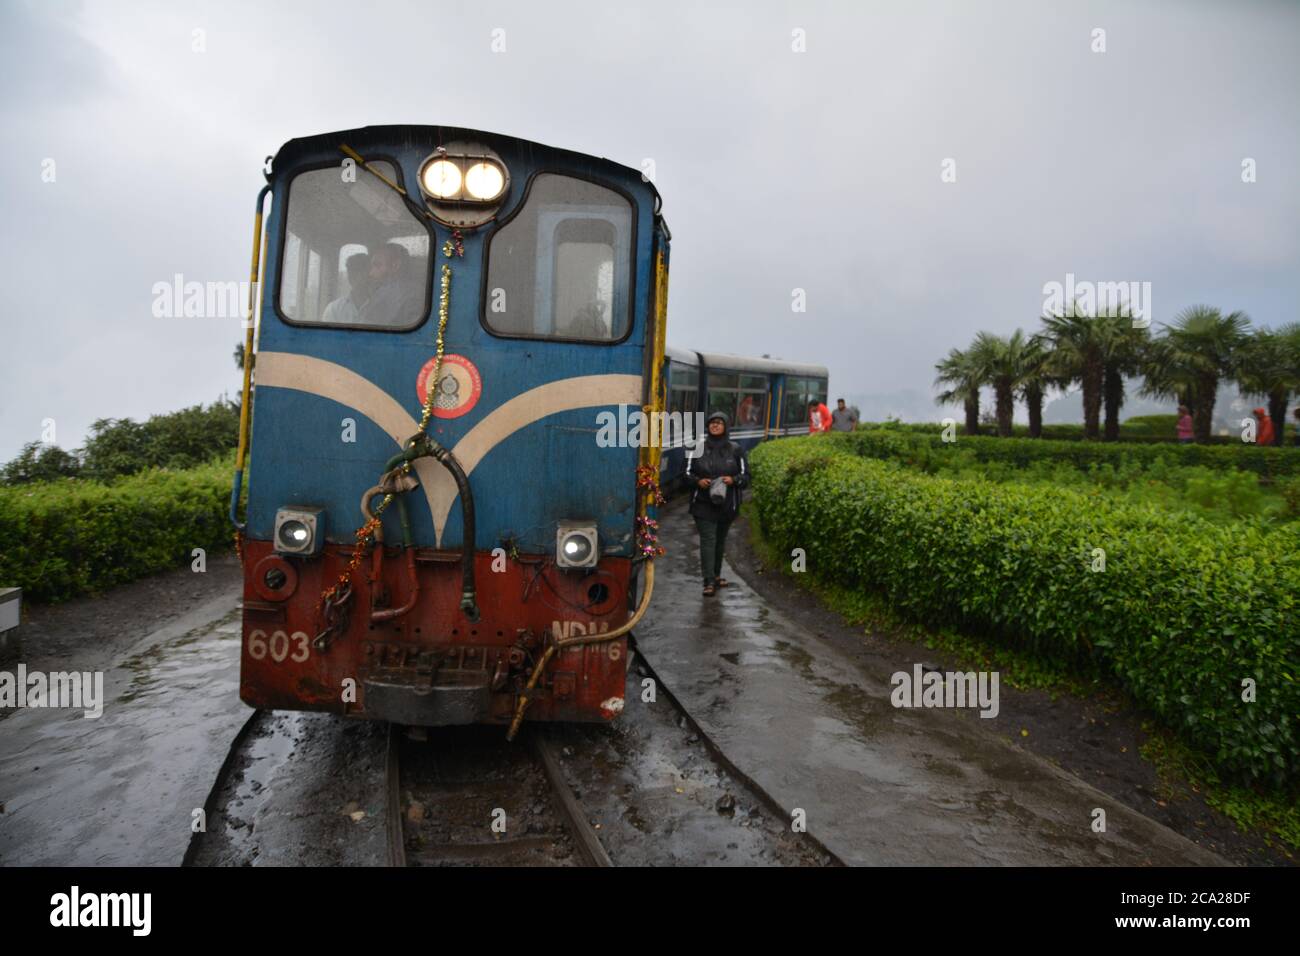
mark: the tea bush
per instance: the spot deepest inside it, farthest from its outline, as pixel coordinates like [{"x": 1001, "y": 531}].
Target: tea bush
[
  {"x": 63, "y": 538},
  {"x": 1269, "y": 463},
  {"x": 1184, "y": 611}
]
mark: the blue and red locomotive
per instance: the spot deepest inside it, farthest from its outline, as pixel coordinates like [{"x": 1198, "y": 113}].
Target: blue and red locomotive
[{"x": 433, "y": 533}]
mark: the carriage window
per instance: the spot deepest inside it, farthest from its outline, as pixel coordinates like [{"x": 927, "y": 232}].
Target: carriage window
[
  {"x": 750, "y": 409},
  {"x": 354, "y": 255},
  {"x": 561, "y": 268},
  {"x": 798, "y": 393},
  {"x": 794, "y": 402},
  {"x": 683, "y": 376},
  {"x": 683, "y": 400}
]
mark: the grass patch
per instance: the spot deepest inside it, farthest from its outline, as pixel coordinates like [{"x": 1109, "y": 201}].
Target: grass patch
[{"x": 1273, "y": 816}]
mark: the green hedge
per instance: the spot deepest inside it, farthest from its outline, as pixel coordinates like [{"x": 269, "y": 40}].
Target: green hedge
[
  {"x": 893, "y": 443},
  {"x": 67, "y": 537},
  {"x": 1183, "y": 612},
  {"x": 1138, "y": 430}
]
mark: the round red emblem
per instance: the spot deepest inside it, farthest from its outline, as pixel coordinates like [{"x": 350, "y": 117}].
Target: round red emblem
[{"x": 458, "y": 387}]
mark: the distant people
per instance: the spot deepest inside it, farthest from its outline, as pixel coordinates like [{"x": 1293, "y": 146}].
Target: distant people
[
  {"x": 718, "y": 473},
  {"x": 1185, "y": 429},
  {"x": 819, "y": 418},
  {"x": 747, "y": 413},
  {"x": 346, "y": 309},
  {"x": 394, "y": 298},
  {"x": 1264, "y": 428},
  {"x": 843, "y": 419}
]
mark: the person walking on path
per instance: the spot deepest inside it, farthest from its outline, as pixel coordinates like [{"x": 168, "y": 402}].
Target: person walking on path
[{"x": 717, "y": 476}]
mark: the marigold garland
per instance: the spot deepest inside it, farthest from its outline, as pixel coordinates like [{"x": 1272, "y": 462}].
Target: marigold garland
[{"x": 647, "y": 528}]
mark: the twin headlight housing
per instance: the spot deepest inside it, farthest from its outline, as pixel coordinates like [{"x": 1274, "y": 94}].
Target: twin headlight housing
[
  {"x": 463, "y": 177},
  {"x": 464, "y": 183},
  {"x": 576, "y": 545}
]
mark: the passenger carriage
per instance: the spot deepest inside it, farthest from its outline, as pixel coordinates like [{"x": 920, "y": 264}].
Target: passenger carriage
[{"x": 762, "y": 398}]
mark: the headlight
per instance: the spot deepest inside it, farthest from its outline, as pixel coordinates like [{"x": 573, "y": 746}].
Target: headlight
[
  {"x": 576, "y": 546},
  {"x": 294, "y": 535},
  {"x": 484, "y": 181},
  {"x": 441, "y": 179},
  {"x": 299, "y": 530}
]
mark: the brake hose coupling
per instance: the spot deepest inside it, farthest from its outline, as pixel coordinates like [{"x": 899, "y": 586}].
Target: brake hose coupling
[{"x": 469, "y": 606}]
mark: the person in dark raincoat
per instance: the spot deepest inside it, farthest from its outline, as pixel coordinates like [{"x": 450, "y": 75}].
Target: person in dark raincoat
[{"x": 716, "y": 476}]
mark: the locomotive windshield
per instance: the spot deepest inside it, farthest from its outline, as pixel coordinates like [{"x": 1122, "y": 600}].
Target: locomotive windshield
[
  {"x": 561, "y": 268},
  {"x": 354, "y": 255}
]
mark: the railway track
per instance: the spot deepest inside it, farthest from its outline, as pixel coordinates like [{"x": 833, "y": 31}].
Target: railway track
[
  {"x": 464, "y": 796},
  {"x": 665, "y": 792},
  {"x": 648, "y": 789}
]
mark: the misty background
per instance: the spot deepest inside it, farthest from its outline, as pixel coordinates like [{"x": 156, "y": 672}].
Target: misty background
[{"x": 780, "y": 170}]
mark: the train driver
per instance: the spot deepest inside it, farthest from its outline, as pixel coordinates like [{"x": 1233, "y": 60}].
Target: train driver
[
  {"x": 346, "y": 309},
  {"x": 394, "y": 299}
]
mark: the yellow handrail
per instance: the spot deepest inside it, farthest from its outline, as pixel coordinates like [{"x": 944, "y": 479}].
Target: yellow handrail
[{"x": 251, "y": 324}]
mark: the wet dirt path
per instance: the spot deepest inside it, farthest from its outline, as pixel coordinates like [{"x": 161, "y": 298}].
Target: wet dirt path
[
  {"x": 305, "y": 790},
  {"x": 121, "y": 789},
  {"x": 878, "y": 784}
]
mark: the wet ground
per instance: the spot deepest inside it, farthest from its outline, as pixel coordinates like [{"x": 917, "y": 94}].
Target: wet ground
[
  {"x": 471, "y": 798},
  {"x": 876, "y": 784},
  {"x": 304, "y": 790},
  {"x": 796, "y": 699},
  {"x": 309, "y": 789},
  {"x": 1097, "y": 737},
  {"x": 122, "y": 789},
  {"x": 659, "y": 798}
]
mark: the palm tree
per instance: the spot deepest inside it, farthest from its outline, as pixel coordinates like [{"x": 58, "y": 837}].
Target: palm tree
[
  {"x": 1002, "y": 363},
  {"x": 962, "y": 376},
  {"x": 1268, "y": 366},
  {"x": 1036, "y": 380},
  {"x": 1078, "y": 344},
  {"x": 1188, "y": 360},
  {"x": 1124, "y": 348}
]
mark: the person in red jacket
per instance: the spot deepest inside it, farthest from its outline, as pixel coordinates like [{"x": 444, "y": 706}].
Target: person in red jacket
[
  {"x": 1264, "y": 434},
  {"x": 1186, "y": 428},
  {"x": 819, "y": 418}
]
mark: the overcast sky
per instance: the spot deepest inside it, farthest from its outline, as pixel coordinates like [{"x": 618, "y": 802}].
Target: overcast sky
[{"x": 818, "y": 170}]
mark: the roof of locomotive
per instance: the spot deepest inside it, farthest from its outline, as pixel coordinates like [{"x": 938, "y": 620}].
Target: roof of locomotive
[{"x": 430, "y": 137}]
